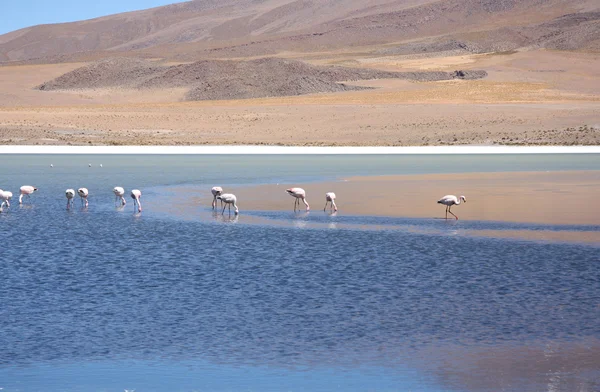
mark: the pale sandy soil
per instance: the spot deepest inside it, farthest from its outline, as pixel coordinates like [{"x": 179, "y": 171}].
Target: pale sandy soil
[
  {"x": 538, "y": 97},
  {"x": 560, "y": 198}
]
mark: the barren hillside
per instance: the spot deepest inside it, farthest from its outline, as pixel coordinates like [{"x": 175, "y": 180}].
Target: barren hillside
[{"x": 246, "y": 28}]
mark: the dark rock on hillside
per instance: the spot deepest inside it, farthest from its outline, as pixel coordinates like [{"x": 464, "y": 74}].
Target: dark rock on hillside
[{"x": 228, "y": 79}]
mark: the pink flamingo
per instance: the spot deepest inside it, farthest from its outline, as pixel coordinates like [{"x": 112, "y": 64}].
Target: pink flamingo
[
  {"x": 216, "y": 191},
  {"x": 83, "y": 194},
  {"x": 136, "y": 195},
  {"x": 449, "y": 201},
  {"x": 5, "y": 196},
  {"x": 119, "y": 192},
  {"x": 26, "y": 190},
  {"x": 228, "y": 199},
  {"x": 299, "y": 194},
  {"x": 330, "y": 198},
  {"x": 70, "y": 194}
]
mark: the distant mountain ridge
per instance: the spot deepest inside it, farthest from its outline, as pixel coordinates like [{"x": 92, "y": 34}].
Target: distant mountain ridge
[{"x": 244, "y": 28}]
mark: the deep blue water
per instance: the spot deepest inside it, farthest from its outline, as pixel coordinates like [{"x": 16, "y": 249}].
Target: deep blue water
[{"x": 102, "y": 299}]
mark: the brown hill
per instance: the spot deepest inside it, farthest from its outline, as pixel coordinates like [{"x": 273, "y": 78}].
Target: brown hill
[
  {"x": 246, "y": 28},
  {"x": 228, "y": 79}
]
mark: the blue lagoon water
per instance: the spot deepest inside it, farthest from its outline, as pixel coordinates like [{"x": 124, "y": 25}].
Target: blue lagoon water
[{"x": 103, "y": 299}]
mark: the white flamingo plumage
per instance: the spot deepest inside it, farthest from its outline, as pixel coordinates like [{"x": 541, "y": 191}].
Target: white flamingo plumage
[
  {"x": 119, "y": 192},
  {"x": 5, "y": 196},
  {"x": 299, "y": 194},
  {"x": 228, "y": 199},
  {"x": 330, "y": 198},
  {"x": 216, "y": 191},
  {"x": 136, "y": 195},
  {"x": 70, "y": 194},
  {"x": 449, "y": 201},
  {"x": 83, "y": 194},
  {"x": 26, "y": 190}
]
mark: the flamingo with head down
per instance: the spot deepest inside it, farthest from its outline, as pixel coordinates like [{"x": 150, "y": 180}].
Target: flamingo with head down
[
  {"x": 216, "y": 191},
  {"x": 299, "y": 194},
  {"x": 449, "y": 201},
  {"x": 70, "y": 194},
  {"x": 26, "y": 190},
  {"x": 119, "y": 192},
  {"x": 5, "y": 196},
  {"x": 136, "y": 195},
  {"x": 330, "y": 198},
  {"x": 83, "y": 194},
  {"x": 228, "y": 199}
]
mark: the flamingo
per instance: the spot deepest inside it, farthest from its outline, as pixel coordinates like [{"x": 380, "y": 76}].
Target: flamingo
[
  {"x": 119, "y": 192},
  {"x": 70, "y": 194},
  {"x": 216, "y": 191},
  {"x": 228, "y": 199},
  {"x": 330, "y": 198},
  {"x": 83, "y": 194},
  {"x": 5, "y": 196},
  {"x": 449, "y": 201},
  {"x": 298, "y": 193},
  {"x": 136, "y": 195},
  {"x": 26, "y": 190}
]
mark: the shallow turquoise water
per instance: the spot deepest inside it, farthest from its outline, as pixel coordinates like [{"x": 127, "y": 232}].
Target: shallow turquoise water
[{"x": 103, "y": 299}]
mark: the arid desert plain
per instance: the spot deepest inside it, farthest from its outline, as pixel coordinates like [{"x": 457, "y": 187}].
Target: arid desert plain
[{"x": 528, "y": 74}]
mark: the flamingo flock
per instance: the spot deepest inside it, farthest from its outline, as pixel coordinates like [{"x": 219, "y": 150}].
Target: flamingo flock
[{"x": 227, "y": 200}]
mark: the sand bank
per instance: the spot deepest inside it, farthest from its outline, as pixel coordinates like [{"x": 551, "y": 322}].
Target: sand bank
[{"x": 563, "y": 198}]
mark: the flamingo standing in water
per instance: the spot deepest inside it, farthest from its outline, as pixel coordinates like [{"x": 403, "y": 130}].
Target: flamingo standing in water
[
  {"x": 330, "y": 198},
  {"x": 228, "y": 199},
  {"x": 449, "y": 201},
  {"x": 83, "y": 194},
  {"x": 299, "y": 194},
  {"x": 70, "y": 194},
  {"x": 26, "y": 190},
  {"x": 136, "y": 195},
  {"x": 216, "y": 191},
  {"x": 5, "y": 196},
  {"x": 119, "y": 192}
]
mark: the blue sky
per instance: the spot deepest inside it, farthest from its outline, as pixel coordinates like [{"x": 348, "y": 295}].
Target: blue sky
[{"x": 16, "y": 14}]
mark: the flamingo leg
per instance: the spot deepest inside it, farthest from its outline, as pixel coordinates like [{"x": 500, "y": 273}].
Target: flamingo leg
[
  {"x": 334, "y": 206},
  {"x": 222, "y": 212},
  {"x": 324, "y": 208},
  {"x": 446, "y": 212},
  {"x": 452, "y": 213}
]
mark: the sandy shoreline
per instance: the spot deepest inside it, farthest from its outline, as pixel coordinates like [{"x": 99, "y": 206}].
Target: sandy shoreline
[{"x": 561, "y": 198}]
